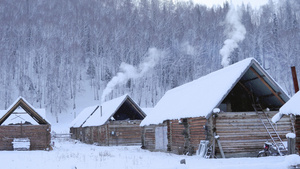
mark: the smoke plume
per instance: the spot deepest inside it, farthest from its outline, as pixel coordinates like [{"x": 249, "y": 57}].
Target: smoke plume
[
  {"x": 128, "y": 71},
  {"x": 235, "y": 31}
]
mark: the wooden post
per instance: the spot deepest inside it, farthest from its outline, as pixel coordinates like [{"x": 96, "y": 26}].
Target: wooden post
[
  {"x": 214, "y": 146},
  {"x": 295, "y": 80},
  {"x": 220, "y": 147},
  {"x": 214, "y": 122},
  {"x": 107, "y": 135},
  {"x": 21, "y": 129},
  {"x": 170, "y": 135},
  {"x": 291, "y": 143}
]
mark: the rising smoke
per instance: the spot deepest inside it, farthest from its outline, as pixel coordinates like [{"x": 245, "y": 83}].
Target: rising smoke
[
  {"x": 235, "y": 32},
  {"x": 128, "y": 71}
]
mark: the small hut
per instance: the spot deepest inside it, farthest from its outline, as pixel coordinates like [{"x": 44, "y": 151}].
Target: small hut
[
  {"x": 291, "y": 109},
  {"x": 225, "y": 107},
  {"x": 115, "y": 122},
  {"x": 23, "y": 125}
]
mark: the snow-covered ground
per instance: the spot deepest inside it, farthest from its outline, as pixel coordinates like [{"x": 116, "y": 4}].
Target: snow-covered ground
[{"x": 75, "y": 155}]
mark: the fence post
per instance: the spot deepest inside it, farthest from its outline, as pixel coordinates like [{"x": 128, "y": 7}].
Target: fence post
[{"x": 291, "y": 143}]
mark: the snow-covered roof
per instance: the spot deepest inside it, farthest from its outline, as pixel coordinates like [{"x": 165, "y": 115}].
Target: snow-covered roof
[
  {"x": 99, "y": 114},
  {"x": 83, "y": 116},
  {"x": 290, "y": 107},
  {"x": 104, "y": 112},
  {"x": 147, "y": 110},
  {"x": 41, "y": 112},
  {"x": 17, "y": 114},
  {"x": 199, "y": 97}
]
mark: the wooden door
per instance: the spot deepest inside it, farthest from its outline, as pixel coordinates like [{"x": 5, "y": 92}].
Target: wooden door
[{"x": 161, "y": 140}]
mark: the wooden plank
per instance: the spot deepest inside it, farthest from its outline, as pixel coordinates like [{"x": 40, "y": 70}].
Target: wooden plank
[{"x": 220, "y": 147}]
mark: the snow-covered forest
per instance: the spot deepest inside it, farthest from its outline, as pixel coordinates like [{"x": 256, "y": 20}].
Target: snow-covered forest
[{"x": 54, "y": 52}]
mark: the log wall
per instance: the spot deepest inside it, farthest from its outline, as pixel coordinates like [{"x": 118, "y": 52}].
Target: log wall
[
  {"x": 197, "y": 131},
  {"x": 39, "y": 136},
  {"x": 297, "y": 130},
  {"x": 243, "y": 134},
  {"x": 148, "y": 137},
  {"x": 176, "y": 136},
  {"x": 185, "y": 135},
  {"x": 112, "y": 133}
]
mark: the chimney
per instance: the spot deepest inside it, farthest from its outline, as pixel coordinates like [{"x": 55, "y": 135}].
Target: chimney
[
  {"x": 295, "y": 80},
  {"x": 101, "y": 111}
]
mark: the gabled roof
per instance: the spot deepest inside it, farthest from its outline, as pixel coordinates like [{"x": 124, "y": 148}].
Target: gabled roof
[
  {"x": 199, "y": 97},
  {"x": 37, "y": 114},
  {"x": 118, "y": 109},
  {"x": 290, "y": 107},
  {"x": 83, "y": 116}
]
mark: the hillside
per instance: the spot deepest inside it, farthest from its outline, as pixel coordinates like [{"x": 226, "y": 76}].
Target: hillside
[{"x": 62, "y": 54}]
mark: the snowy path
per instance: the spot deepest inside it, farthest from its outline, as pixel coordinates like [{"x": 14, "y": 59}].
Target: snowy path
[{"x": 68, "y": 155}]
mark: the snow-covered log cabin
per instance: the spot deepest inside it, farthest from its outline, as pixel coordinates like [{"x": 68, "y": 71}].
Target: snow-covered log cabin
[
  {"x": 291, "y": 109},
  {"x": 230, "y": 105},
  {"x": 21, "y": 121},
  {"x": 115, "y": 122}
]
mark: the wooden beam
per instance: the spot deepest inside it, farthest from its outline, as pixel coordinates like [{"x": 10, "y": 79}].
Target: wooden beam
[
  {"x": 219, "y": 145},
  {"x": 268, "y": 86},
  {"x": 245, "y": 81},
  {"x": 31, "y": 112},
  {"x": 246, "y": 89},
  {"x": 295, "y": 80},
  {"x": 266, "y": 96}
]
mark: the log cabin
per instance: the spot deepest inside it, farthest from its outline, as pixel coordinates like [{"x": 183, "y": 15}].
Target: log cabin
[
  {"x": 291, "y": 109},
  {"x": 223, "y": 107},
  {"x": 115, "y": 122},
  {"x": 21, "y": 121}
]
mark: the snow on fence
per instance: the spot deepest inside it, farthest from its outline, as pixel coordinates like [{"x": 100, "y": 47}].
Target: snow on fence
[
  {"x": 62, "y": 135},
  {"x": 21, "y": 144}
]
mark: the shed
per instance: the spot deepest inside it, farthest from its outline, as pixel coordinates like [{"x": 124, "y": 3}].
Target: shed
[
  {"x": 291, "y": 109},
  {"x": 184, "y": 115},
  {"x": 21, "y": 121},
  {"x": 115, "y": 122}
]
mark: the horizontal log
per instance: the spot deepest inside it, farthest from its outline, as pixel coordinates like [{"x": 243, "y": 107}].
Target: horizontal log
[
  {"x": 124, "y": 126},
  {"x": 246, "y": 131},
  {"x": 245, "y": 137},
  {"x": 272, "y": 113},
  {"x": 247, "y": 123}
]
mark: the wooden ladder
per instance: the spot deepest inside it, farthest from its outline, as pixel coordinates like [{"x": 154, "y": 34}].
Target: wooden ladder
[{"x": 270, "y": 129}]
